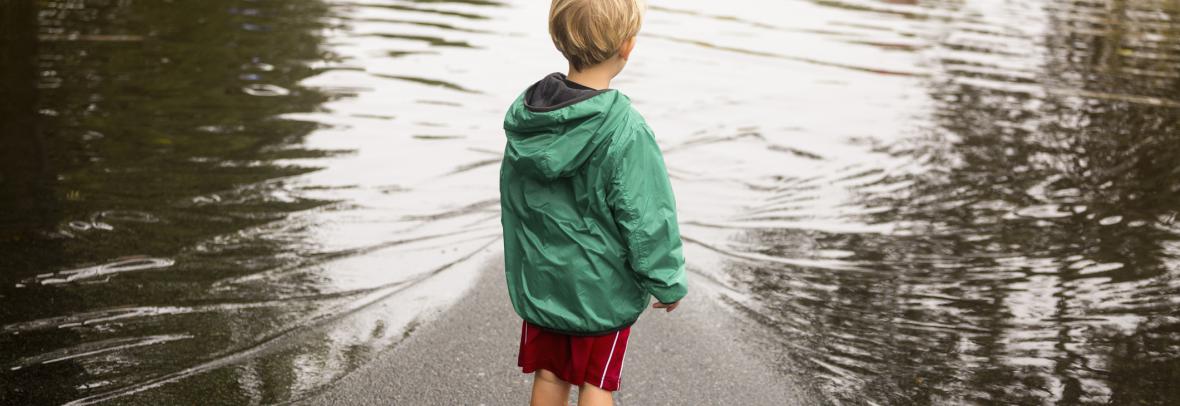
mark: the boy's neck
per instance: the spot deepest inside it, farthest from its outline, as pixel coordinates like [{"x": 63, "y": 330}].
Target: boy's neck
[{"x": 596, "y": 77}]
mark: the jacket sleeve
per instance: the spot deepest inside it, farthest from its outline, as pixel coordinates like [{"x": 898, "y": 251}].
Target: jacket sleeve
[{"x": 644, "y": 208}]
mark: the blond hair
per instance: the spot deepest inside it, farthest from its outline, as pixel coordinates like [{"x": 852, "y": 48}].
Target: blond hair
[{"x": 589, "y": 32}]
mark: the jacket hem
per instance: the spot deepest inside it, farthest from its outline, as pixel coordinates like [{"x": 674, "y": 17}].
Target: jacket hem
[{"x": 584, "y": 333}]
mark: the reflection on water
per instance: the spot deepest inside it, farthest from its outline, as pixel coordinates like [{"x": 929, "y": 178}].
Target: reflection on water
[
  {"x": 1029, "y": 251},
  {"x": 186, "y": 203},
  {"x": 927, "y": 202}
]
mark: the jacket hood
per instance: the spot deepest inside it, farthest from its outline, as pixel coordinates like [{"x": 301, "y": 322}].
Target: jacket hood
[{"x": 555, "y": 126}]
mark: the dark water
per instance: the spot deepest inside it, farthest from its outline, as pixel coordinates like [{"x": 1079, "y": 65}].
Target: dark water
[{"x": 925, "y": 202}]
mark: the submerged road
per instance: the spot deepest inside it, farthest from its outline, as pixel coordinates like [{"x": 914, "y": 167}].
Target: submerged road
[{"x": 697, "y": 355}]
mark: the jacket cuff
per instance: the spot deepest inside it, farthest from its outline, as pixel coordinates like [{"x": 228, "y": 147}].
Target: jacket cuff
[{"x": 670, "y": 295}]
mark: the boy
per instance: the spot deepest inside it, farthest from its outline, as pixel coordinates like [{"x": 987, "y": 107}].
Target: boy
[{"x": 590, "y": 231}]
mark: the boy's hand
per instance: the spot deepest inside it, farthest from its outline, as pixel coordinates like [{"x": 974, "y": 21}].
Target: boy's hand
[{"x": 667, "y": 307}]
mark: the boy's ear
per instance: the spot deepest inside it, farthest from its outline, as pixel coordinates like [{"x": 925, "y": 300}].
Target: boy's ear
[{"x": 625, "y": 50}]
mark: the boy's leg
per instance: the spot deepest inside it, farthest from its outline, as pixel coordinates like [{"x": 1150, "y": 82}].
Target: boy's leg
[
  {"x": 590, "y": 395},
  {"x": 549, "y": 390}
]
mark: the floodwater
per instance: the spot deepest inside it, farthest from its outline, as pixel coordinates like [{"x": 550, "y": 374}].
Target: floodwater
[{"x": 923, "y": 202}]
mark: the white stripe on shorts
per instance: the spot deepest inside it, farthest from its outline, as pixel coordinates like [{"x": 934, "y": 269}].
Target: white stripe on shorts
[{"x": 608, "y": 358}]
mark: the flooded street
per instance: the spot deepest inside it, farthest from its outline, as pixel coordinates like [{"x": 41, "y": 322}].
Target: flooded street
[{"x": 925, "y": 202}]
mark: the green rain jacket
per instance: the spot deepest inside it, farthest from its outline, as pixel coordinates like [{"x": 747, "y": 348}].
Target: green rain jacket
[{"x": 589, "y": 218}]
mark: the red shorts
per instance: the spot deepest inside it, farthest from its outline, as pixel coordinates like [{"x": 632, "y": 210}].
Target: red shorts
[{"x": 596, "y": 360}]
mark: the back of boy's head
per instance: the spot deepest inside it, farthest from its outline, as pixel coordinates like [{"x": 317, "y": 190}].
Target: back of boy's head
[{"x": 589, "y": 32}]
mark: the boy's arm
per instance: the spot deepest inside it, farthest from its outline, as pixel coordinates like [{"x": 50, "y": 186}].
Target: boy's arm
[{"x": 641, "y": 199}]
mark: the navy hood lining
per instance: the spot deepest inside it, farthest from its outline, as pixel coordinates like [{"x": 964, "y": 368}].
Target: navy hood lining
[{"x": 555, "y": 92}]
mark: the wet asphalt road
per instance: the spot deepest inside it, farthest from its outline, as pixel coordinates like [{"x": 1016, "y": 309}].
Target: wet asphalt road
[{"x": 701, "y": 354}]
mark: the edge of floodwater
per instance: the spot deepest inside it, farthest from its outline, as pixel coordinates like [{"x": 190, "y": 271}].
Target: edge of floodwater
[{"x": 464, "y": 352}]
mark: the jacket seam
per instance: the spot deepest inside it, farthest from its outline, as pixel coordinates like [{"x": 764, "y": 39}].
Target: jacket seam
[{"x": 641, "y": 249}]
